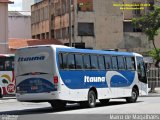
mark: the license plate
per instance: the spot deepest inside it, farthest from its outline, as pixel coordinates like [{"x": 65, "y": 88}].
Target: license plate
[{"x": 34, "y": 88}]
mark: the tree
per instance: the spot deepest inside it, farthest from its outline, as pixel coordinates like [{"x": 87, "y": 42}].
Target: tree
[{"x": 150, "y": 24}]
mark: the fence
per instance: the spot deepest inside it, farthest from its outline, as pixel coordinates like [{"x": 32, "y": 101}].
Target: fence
[{"x": 153, "y": 76}]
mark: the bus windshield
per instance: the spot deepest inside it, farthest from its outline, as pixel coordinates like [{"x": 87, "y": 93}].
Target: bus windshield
[{"x": 7, "y": 63}]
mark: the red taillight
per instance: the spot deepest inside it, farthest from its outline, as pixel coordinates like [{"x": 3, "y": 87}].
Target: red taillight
[{"x": 55, "y": 80}]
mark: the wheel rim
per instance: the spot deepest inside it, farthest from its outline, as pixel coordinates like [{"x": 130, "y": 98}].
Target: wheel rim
[
  {"x": 134, "y": 95},
  {"x": 92, "y": 99}
]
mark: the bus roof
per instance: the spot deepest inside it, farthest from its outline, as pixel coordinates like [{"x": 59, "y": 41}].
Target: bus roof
[{"x": 72, "y": 49}]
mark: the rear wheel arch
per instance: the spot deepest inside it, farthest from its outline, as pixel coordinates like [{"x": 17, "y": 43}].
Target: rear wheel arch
[
  {"x": 136, "y": 87},
  {"x": 95, "y": 91}
]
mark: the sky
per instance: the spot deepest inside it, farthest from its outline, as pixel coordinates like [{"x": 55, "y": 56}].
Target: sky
[{"x": 17, "y": 6}]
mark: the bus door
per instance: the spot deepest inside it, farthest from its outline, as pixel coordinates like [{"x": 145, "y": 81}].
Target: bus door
[{"x": 141, "y": 75}]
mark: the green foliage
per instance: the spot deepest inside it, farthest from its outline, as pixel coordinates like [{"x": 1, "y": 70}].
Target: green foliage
[
  {"x": 149, "y": 23},
  {"x": 155, "y": 54}
]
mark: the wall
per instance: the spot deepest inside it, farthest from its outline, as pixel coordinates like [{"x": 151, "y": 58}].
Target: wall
[
  {"x": 108, "y": 25},
  {"x": 19, "y": 26}
]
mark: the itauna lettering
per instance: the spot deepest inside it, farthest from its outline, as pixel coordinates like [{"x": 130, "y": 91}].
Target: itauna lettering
[
  {"x": 94, "y": 79},
  {"x": 21, "y": 59}
]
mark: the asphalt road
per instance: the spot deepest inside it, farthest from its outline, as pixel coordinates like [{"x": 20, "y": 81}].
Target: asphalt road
[{"x": 12, "y": 109}]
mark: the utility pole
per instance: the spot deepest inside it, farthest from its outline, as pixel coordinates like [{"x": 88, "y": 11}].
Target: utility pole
[
  {"x": 49, "y": 17},
  {"x": 70, "y": 24}
]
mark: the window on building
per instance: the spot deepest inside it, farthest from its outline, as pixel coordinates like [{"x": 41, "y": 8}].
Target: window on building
[
  {"x": 52, "y": 33},
  {"x": 128, "y": 27},
  {"x": 101, "y": 62},
  {"x": 57, "y": 8},
  {"x": 58, "y": 34},
  {"x": 46, "y": 13},
  {"x": 130, "y": 63},
  {"x": 79, "y": 61},
  {"x": 121, "y": 65},
  {"x": 42, "y": 14},
  {"x": 114, "y": 63},
  {"x": 136, "y": 9},
  {"x": 71, "y": 61},
  {"x": 94, "y": 62},
  {"x": 64, "y": 33},
  {"x": 47, "y": 35},
  {"x": 86, "y": 60},
  {"x": 151, "y": 7},
  {"x": 108, "y": 62},
  {"x": 85, "y": 29},
  {"x": 63, "y": 6},
  {"x": 85, "y": 5}
]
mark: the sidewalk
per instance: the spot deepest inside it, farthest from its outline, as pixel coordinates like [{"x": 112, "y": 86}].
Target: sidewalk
[{"x": 156, "y": 93}]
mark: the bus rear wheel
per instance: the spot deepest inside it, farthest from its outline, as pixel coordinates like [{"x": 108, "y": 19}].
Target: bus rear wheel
[
  {"x": 133, "y": 97},
  {"x": 91, "y": 102},
  {"x": 104, "y": 101},
  {"x": 58, "y": 105},
  {"x": 91, "y": 99}
]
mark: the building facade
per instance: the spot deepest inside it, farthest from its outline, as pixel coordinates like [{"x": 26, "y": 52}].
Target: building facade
[
  {"x": 21, "y": 22},
  {"x": 96, "y": 24},
  {"x": 40, "y": 20}
]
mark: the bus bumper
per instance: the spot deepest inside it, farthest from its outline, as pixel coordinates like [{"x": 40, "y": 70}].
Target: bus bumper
[{"x": 31, "y": 97}]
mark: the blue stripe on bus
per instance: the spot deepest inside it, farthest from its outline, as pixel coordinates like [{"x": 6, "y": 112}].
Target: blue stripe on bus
[{"x": 76, "y": 79}]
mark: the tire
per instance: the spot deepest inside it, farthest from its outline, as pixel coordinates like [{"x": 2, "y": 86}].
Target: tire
[
  {"x": 58, "y": 105},
  {"x": 133, "y": 97},
  {"x": 91, "y": 99},
  {"x": 104, "y": 101}
]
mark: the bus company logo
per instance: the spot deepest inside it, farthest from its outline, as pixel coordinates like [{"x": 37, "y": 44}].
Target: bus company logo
[
  {"x": 11, "y": 88},
  {"x": 26, "y": 59},
  {"x": 88, "y": 79}
]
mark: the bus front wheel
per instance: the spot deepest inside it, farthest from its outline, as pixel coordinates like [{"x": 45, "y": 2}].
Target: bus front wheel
[{"x": 133, "y": 97}]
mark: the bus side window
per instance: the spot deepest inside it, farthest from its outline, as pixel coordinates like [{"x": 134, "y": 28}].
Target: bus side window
[
  {"x": 94, "y": 62},
  {"x": 86, "y": 61},
  {"x": 108, "y": 62},
  {"x": 71, "y": 61},
  {"x": 101, "y": 62},
  {"x": 121, "y": 65},
  {"x": 130, "y": 63},
  {"x": 79, "y": 61},
  {"x": 64, "y": 59},
  {"x": 60, "y": 61},
  {"x": 114, "y": 63}
]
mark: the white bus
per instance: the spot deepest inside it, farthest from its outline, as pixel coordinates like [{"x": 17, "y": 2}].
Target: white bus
[{"x": 59, "y": 75}]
